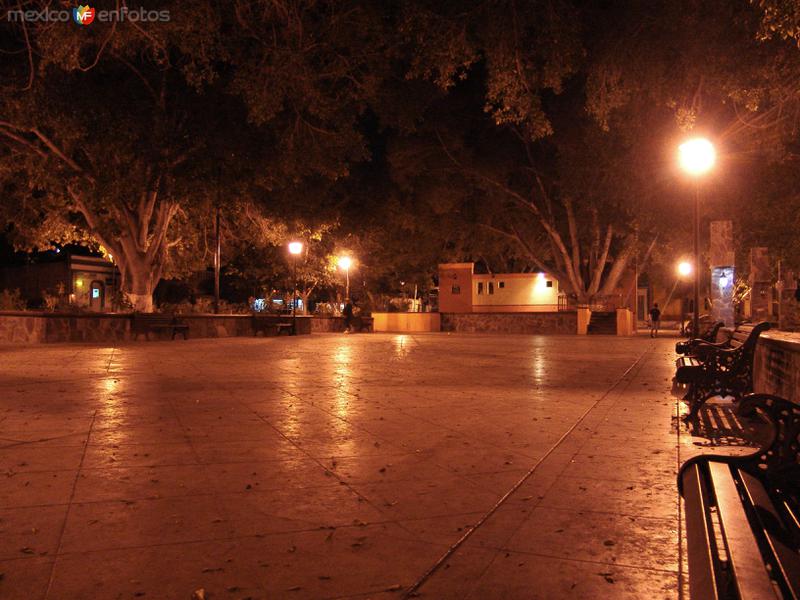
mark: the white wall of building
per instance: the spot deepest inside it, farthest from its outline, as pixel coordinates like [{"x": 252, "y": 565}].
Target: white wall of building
[{"x": 514, "y": 292}]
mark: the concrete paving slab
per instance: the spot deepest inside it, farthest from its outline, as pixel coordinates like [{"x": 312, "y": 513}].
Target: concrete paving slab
[{"x": 480, "y": 466}]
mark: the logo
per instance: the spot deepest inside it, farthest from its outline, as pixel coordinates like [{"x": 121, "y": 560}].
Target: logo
[{"x": 83, "y": 15}]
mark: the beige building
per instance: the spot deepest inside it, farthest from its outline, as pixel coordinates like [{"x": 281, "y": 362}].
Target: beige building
[{"x": 461, "y": 290}]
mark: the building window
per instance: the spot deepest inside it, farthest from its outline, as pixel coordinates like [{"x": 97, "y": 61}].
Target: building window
[
  {"x": 480, "y": 287},
  {"x": 501, "y": 285},
  {"x": 491, "y": 288},
  {"x": 456, "y": 289},
  {"x": 549, "y": 284}
]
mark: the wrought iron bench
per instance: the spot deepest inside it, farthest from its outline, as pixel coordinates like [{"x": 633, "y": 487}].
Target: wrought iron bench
[
  {"x": 719, "y": 370},
  {"x": 743, "y": 512},
  {"x": 709, "y": 335},
  {"x": 144, "y": 323},
  {"x": 272, "y": 323}
]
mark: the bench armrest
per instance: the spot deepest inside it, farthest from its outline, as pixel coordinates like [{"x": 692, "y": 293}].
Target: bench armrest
[{"x": 782, "y": 452}]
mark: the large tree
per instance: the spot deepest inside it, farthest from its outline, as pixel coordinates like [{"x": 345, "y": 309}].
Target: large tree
[{"x": 116, "y": 129}]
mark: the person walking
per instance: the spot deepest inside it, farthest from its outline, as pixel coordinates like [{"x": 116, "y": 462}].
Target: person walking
[
  {"x": 655, "y": 317},
  {"x": 347, "y": 313}
]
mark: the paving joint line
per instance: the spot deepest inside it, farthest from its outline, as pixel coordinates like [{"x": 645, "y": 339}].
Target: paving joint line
[
  {"x": 69, "y": 507},
  {"x": 411, "y": 591}
]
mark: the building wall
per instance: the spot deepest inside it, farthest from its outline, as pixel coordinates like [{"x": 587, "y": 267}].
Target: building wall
[
  {"x": 31, "y": 280},
  {"x": 514, "y": 292},
  {"x": 462, "y": 291},
  {"x": 75, "y": 274},
  {"x": 455, "y": 283}
]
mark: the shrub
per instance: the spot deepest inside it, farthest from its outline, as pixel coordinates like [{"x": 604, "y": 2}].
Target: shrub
[{"x": 11, "y": 300}]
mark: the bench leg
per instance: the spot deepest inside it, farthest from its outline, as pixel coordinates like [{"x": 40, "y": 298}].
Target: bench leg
[{"x": 696, "y": 404}]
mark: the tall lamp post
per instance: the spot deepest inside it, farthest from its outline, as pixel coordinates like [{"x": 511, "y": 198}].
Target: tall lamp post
[
  {"x": 696, "y": 157},
  {"x": 295, "y": 248},
  {"x": 345, "y": 262}
]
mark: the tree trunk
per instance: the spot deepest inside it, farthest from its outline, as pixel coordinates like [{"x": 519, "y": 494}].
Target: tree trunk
[
  {"x": 304, "y": 295},
  {"x": 140, "y": 287},
  {"x": 141, "y": 246},
  {"x": 139, "y": 276}
]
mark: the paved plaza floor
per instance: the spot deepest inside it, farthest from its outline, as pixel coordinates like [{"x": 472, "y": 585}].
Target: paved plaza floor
[{"x": 362, "y": 466}]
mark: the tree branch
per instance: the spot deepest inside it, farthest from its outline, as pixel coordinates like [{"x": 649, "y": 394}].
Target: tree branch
[{"x": 597, "y": 275}]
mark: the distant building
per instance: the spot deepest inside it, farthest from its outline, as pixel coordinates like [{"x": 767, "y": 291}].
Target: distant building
[
  {"x": 87, "y": 281},
  {"x": 461, "y": 290}
]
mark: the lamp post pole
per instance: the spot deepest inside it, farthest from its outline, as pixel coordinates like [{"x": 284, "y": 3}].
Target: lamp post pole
[
  {"x": 295, "y": 248},
  {"x": 347, "y": 279},
  {"x": 696, "y": 318},
  {"x": 294, "y": 298},
  {"x": 696, "y": 157}
]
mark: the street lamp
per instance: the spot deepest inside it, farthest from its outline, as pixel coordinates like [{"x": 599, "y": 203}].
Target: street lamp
[
  {"x": 345, "y": 262},
  {"x": 684, "y": 269},
  {"x": 696, "y": 157},
  {"x": 295, "y": 248}
]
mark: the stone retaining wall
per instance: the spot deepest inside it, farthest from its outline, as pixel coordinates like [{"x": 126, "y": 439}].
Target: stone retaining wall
[
  {"x": 563, "y": 322},
  {"x": 327, "y": 325},
  {"x": 37, "y": 328},
  {"x": 777, "y": 364}
]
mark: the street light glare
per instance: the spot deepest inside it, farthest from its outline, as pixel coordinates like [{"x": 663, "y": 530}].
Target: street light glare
[
  {"x": 697, "y": 156},
  {"x": 684, "y": 269},
  {"x": 345, "y": 262},
  {"x": 295, "y": 247}
]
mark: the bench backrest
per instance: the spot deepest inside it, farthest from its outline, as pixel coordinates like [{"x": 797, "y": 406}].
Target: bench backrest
[
  {"x": 747, "y": 334},
  {"x": 744, "y": 340}
]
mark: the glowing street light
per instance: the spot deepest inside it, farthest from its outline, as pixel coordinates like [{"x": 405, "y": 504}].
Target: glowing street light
[
  {"x": 295, "y": 248},
  {"x": 684, "y": 269},
  {"x": 696, "y": 156},
  {"x": 345, "y": 262}
]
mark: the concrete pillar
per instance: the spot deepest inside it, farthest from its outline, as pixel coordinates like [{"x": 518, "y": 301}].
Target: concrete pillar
[
  {"x": 624, "y": 322},
  {"x": 760, "y": 285},
  {"x": 722, "y": 259},
  {"x": 584, "y": 316}
]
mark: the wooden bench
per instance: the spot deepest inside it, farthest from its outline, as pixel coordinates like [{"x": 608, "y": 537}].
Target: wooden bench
[
  {"x": 724, "y": 369},
  {"x": 742, "y": 513},
  {"x": 709, "y": 335},
  {"x": 144, "y": 323},
  {"x": 272, "y": 323}
]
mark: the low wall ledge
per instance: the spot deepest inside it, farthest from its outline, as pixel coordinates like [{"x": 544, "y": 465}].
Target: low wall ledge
[{"x": 785, "y": 339}]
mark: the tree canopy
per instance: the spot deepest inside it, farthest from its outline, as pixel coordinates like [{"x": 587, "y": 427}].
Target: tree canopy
[{"x": 521, "y": 135}]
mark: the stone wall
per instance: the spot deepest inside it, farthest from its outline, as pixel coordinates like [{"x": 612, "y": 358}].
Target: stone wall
[
  {"x": 36, "y": 328},
  {"x": 564, "y": 322},
  {"x": 327, "y": 325},
  {"x": 21, "y": 329},
  {"x": 777, "y": 365}
]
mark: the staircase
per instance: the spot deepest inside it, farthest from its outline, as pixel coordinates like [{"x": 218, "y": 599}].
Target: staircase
[{"x": 603, "y": 323}]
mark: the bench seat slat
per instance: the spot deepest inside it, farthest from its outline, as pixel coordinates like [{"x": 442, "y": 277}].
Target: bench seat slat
[
  {"x": 777, "y": 535},
  {"x": 699, "y": 535},
  {"x": 750, "y": 574}
]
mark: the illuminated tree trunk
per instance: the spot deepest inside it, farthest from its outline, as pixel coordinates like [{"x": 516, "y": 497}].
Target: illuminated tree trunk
[
  {"x": 138, "y": 282},
  {"x": 138, "y": 243}
]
